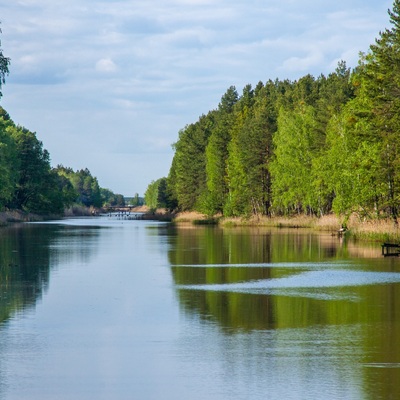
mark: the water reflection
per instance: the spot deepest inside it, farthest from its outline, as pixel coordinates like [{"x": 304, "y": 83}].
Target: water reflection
[
  {"x": 28, "y": 252},
  {"x": 136, "y": 309},
  {"x": 308, "y": 278},
  {"x": 295, "y": 283}
]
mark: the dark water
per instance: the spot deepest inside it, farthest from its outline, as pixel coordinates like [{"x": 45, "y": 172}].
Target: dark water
[{"x": 114, "y": 309}]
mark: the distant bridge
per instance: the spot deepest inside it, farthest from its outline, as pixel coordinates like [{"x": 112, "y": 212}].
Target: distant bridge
[
  {"x": 119, "y": 208},
  {"x": 123, "y": 212}
]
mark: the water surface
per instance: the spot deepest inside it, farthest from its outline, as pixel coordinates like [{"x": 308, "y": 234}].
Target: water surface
[{"x": 115, "y": 309}]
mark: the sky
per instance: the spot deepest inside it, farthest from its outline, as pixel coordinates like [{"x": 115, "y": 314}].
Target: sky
[{"x": 108, "y": 84}]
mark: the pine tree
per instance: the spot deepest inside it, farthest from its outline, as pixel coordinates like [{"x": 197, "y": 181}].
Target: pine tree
[
  {"x": 4, "y": 64},
  {"x": 187, "y": 178},
  {"x": 217, "y": 153},
  {"x": 248, "y": 179},
  {"x": 380, "y": 80}
]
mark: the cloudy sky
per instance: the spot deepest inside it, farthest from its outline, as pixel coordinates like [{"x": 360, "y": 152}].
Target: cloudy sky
[{"x": 108, "y": 84}]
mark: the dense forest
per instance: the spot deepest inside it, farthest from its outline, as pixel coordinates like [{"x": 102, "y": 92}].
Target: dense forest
[
  {"x": 27, "y": 180},
  {"x": 29, "y": 183},
  {"x": 313, "y": 146}
]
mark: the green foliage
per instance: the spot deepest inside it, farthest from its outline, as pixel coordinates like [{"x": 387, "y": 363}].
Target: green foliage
[
  {"x": 156, "y": 195},
  {"x": 188, "y": 172},
  {"x": 65, "y": 187},
  {"x": 379, "y": 77},
  {"x": 352, "y": 160},
  {"x": 292, "y": 166},
  {"x": 4, "y": 64},
  {"x": 36, "y": 187},
  {"x": 237, "y": 162},
  {"x": 86, "y": 187},
  {"x": 151, "y": 195},
  {"x": 217, "y": 154},
  {"x": 136, "y": 201},
  {"x": 109, "y": 198},
  {"x": 28, "y": 182},
  {"x": 9, "y": 162},
  {"x": 250, "y": 153}
]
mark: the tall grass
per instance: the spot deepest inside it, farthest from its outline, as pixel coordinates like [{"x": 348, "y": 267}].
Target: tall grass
[
  {"x": 374, "y": 230},
  {"x": 15, "y": 216},
  {"x": 326, "y": 223},
  {"x": 378, "y": 230}
]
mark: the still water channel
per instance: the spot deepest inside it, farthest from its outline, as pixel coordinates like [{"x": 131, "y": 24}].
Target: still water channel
[{"x": 103, "y": 308}]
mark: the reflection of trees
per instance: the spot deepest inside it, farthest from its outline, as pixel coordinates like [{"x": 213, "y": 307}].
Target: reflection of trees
[
  {"x": 74, "y": 244},
  {"x": 373, "y": 310},
  {"x": 198, "y": 256},
  {"x": 24, "y": 267},
  {"x": 194, "y": 250},
  {"x": 27, "y": 252}
]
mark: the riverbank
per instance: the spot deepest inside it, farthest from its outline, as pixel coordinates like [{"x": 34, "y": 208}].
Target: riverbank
[
  {"x": 383, "y": 230},
  {"x": 362, "y": 229},
  {"x": 17, "y": 216},
  {"x": 374, "y": 230}
]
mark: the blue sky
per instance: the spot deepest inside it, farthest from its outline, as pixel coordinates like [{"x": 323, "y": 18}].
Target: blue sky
[{"x": 108, "y": 84}]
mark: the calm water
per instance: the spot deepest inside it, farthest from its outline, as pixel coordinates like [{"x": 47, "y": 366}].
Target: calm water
[{"x": 113, "y": 309}]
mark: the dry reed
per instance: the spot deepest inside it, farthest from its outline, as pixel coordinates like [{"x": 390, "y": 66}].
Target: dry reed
[{"x": 376, "y": 229}]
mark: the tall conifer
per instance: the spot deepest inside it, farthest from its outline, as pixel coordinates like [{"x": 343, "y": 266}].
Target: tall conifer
[{"x": 381, "y": 80}]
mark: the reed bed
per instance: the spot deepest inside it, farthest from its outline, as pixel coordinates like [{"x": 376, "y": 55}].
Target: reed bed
[
  {"x": 15, "y": 216},
  {"x": 372, "y": 230},
  {"x": 377, "y": 230},
  {"x": 326, "y": 223}
]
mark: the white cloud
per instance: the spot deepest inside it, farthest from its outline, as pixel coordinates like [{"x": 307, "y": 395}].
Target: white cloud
[
  {"x": 27, "y": 60},
  {"x": 160, "y": 64},
  {"x": 305, "y": 64},
  {"x": 105, "y": 65}
]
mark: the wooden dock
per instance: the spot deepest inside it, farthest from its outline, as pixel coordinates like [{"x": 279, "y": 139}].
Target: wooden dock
[{"x": 390, "y": 249}]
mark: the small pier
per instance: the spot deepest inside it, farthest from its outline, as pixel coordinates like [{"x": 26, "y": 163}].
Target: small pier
[{"x": 390, "y": 249}]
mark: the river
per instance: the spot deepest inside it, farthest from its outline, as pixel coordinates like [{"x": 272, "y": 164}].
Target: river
[{"x": 106, "y": 308}]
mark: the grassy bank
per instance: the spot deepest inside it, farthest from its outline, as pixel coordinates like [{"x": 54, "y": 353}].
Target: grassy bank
[
  {"x": 16, "y": 216},
  {"x": 376, "y": 230},
  {"x": 80, "y": 211},
  {"x": 328, "y": 223},
  {"x": 19, "y": 216},
  {"x": 383, "y": 230}
]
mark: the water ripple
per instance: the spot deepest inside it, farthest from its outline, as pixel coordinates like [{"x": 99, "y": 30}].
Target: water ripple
[{"x": 309, "y": 279}]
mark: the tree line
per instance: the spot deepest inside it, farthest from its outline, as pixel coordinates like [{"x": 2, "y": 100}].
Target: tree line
[
  {"x": 29, "y": 183},
  {"x": 313, "y": 145},
  {"x": 27, "y": 180}
]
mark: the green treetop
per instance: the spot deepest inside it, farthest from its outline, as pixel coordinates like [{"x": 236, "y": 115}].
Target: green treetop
[{"x": 4, "y": 63}]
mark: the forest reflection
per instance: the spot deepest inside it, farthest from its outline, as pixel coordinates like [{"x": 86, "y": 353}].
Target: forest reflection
[
  {"x": 27, "y": 254},
  {"x": 214, "y": 269},
  {"x": 217, "y": 256}
]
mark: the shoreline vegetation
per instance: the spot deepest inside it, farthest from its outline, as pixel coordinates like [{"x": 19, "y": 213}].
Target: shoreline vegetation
[
  {"x": 313, "y": 149},
  {"x": 367, "y": 230},
  {"x": 18, "y": 216},
  {"x": 323, "y": 151}
]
